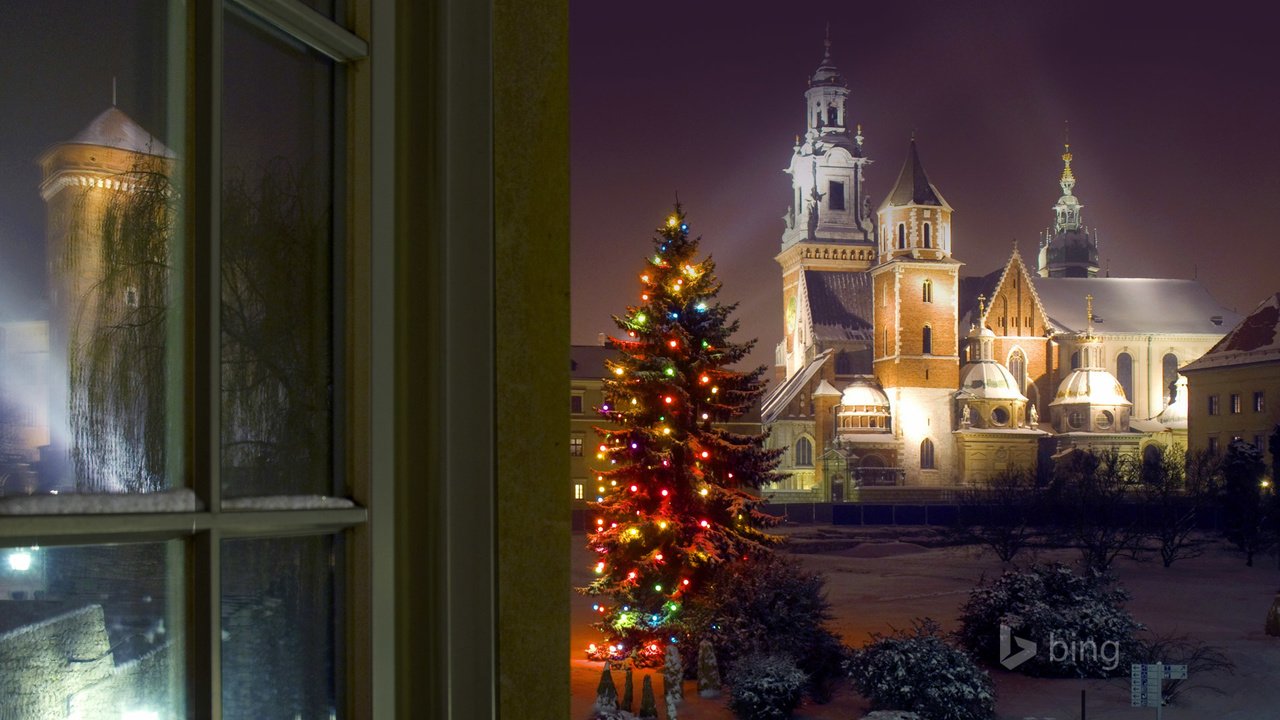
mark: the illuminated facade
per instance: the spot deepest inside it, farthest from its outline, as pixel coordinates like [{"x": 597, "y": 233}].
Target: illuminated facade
[{"x": 894, "y": 370}]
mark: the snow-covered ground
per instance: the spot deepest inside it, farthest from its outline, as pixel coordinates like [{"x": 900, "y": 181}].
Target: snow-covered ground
[{"x": 885, "y": 582}]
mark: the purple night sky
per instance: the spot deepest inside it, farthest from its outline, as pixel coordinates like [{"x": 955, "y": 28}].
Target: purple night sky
[{"x": 1175, "y": 129}]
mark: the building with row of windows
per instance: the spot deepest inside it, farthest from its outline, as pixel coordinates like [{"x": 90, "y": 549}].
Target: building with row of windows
[
  {"x": 1235, "y": 387},
  {"x": 894, "y": 369}
]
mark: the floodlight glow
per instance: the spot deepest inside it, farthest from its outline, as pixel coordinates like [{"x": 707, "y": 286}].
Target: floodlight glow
[{"x": 20, "y": 561}]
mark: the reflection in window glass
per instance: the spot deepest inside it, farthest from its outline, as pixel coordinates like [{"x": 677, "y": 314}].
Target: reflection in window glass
[
  {"x": 91, "y": 632},
  {"x": 278, "y": 627},
  {"x": 277, "y": 264},
  {"x": 88, "y": 214}
]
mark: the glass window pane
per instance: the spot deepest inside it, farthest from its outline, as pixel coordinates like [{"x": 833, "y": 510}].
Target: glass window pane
[
  {"x": 279, "y": 620},
  {"x": 88, "y": 221},
  {"x": 92, "y": 631},
  {"x": 278, "y": 241}
]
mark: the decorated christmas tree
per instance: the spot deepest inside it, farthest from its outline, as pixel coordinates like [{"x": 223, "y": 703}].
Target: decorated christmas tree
[{"x": 673, "y": 487}]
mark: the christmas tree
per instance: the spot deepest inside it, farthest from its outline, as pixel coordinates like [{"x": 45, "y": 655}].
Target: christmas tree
[{"x": 673, "y": 493}]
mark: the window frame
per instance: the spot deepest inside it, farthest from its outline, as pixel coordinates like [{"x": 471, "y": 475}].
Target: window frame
[
  {"x": 1259, "y": 401},
  {"x": 362, "y": 393}
]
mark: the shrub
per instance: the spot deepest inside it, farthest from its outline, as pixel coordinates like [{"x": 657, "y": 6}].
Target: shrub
[
  {"x": 767, "y": 604},
  {"x": 765, "y": 686},
  {"x": 1203, "y": 661},
  {"x": 918, "y": 671},
  {"x": 1058, "y": 610}
]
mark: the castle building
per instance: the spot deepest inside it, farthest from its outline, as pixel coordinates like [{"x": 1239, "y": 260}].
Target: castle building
[
  {"x": 895, "y": 370},
  {"x": 101, "y": 280}
]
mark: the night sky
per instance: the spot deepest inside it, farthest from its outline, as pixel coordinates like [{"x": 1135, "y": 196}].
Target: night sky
[{"x": 1174, "y": 124}]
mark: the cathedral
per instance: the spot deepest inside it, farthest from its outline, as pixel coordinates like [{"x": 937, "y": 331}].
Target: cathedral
[{"x": 898, "y": 369}]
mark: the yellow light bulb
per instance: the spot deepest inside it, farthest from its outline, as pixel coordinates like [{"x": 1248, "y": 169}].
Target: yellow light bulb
[
  {"x": 618, "y": 371},
  {"x": 703, "y": 492},
  {"x": 671, "y": 221}
]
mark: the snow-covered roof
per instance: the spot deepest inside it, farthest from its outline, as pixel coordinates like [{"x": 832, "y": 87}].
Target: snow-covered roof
[
  {"x": 1254, "y": 339},
  {"x": 989, "y": 380},
  {"x": 782, "y": 394},
  {"x": 839, "y": 305},
  {"x": 1133, "y": 305},
  {"x": 112, "y": 128}
]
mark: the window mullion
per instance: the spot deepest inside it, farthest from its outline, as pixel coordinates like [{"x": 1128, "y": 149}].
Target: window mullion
[{"x": 204, "y": 182}]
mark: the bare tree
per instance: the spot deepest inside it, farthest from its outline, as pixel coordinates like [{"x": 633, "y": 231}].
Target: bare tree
[
  {"x": 1093, "y": 496},
  {"x": 1176, "y": 502},
  {"x": 118, "y": 339},
  {"x": 1001, "y": 513}
]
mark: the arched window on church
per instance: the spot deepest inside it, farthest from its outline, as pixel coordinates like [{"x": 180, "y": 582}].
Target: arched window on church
[
  {"x": 1075, "y": 360},
  {"x": 928, "y": 236},
  {"x": 1169, "y": 375},
  {"x": 926, "y": 454},
  {"x": 926, "y": 340},
  {"x": 1018, "y": 369},
  {"x": 1124, "y": 373},
  {"x": 928, "y": 291},
  {"x": 804, "y": 452},
  {"x": 902, "y": 236}
]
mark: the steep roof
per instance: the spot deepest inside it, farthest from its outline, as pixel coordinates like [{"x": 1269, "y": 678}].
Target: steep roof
[
  {"x": 913, "y": 186},
  {"x": 839, "y": 304},
  {"x": 113, "y": 129},
  {"x": 1253, "y": 340},
  {"x": 1133, "y": 305},
  {"x": 782, "y": 394}
]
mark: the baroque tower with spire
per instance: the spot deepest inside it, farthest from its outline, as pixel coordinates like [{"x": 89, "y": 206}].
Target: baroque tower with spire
[
  {"x": 829, "y": 226},
  {"x": 1069, "y": 249}
]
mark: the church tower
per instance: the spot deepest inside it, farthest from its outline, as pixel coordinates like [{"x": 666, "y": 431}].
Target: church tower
[
  {"x": 107, "y": 199},
  {"x": 829, "y": 226},
  {"x": 916, "y": 347},
  {"x": 1070, "y": 249}
]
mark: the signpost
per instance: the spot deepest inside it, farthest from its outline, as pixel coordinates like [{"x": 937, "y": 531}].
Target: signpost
[{"x": 1146, "y": 684}]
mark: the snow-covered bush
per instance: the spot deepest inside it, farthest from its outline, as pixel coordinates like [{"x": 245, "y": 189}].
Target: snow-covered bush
[
  {"x": 765, "y": 686},
  {"x": 917, "y": 671},
  {"x": 1078, "y": 623},
  {"x": 767, "y": 604}
]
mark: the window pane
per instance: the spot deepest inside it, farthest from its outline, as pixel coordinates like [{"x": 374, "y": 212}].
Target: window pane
[
  {"x": 277, "y": 264},
  {"x": 279, "y": 619},
  {"x": 88, "y": 220},
  {"x": 91, "y": 632}
]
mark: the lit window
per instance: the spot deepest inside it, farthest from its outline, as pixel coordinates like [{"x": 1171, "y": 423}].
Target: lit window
[
  {"x": 926, "y": 454},
  {"x": 577, "y": 491},
  {"x": 1169, "y": 375},
  {"x": 575, "y": 446},
  {"x": 1235, "y": 403},
  {"x": 1213, "y": 405},
  {"x": 804, "y": 452},
  {"x": 928, "y": 288},
  {"x": 1259, "y": 401}
]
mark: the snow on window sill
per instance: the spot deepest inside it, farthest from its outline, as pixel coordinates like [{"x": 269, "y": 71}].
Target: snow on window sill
[
  {"x": 287, "y": 502},
  {"x": 168, "y": 501}
]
